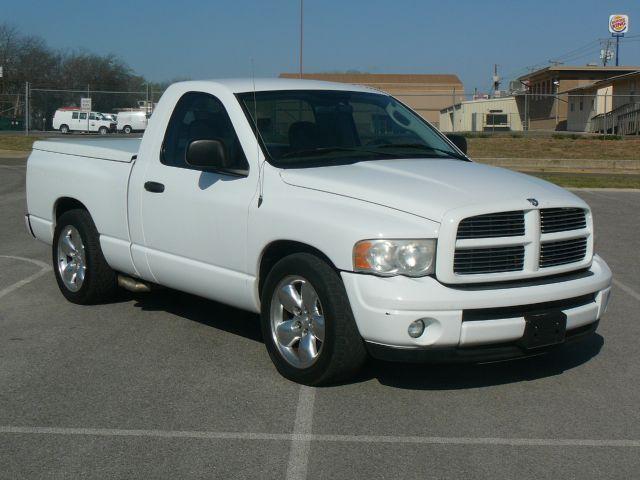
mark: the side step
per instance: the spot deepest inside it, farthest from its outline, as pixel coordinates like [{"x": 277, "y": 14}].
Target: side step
[{"x": 133, "y": 284}]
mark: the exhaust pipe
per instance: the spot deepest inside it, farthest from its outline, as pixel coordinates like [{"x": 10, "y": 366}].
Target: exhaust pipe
[{"x": 133, "y": 285}]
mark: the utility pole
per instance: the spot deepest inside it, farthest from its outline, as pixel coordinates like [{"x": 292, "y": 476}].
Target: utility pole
[
  {"x": 301, "y": 33},
  {"x": 496, "y": 79},
  {"x": 606, "y": 53},
  {"x": 453, "y": 114}
]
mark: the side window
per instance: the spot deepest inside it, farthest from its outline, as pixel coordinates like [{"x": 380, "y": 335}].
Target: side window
[
  {"x": 92, "y": 116},
  {"x": 200, "y": 116},
  {"x": 83, "y": 116},
  {"x": 74, "y": 115}
]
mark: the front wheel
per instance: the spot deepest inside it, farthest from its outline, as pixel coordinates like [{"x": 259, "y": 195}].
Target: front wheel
[
  {"x": 127, "y": 129},
  {"x": 307, "y": 323},
  {"x": 103, "y": 131}
]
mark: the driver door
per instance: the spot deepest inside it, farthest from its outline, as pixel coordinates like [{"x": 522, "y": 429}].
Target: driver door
[{"x": 195, "y": 221}]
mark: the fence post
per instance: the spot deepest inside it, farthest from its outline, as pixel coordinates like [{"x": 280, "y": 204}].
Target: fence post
[{"x": 26, "y": 108}]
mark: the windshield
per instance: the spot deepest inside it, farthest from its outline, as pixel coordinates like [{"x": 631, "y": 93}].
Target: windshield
[{"x": 308, "y": 128}]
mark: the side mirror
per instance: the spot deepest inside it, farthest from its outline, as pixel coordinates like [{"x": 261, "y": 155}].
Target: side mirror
[
  {"x": 459, "y": 141},
  {"x": 207, "y": 154}
]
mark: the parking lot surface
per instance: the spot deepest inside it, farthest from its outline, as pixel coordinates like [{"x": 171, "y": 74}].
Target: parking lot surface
[{"x": 168, "y": 385}]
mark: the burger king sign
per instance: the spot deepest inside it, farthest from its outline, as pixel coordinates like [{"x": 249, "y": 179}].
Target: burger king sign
[{"x": 618, "y": 24}]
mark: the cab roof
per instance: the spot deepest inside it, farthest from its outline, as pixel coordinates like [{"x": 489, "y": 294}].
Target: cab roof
[{"x": 244, "y": 85}]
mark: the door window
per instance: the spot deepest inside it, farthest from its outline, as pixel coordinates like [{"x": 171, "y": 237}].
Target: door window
[
  {"x": 74, "y": 115},
  {"x": 83, "y": 116},
  {"x": 200, "y": 116}
]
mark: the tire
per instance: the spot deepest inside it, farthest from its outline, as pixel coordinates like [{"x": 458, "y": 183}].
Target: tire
[
  {"x": 341, "y": 353},
  {"x": 64, "y": 129},
  {"x": 103, "y": 131},
  {"x": 96, "y": 282},
  {"x": 127, "y": 129}
]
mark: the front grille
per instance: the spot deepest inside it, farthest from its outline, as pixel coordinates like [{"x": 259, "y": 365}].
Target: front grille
[
  {"x": 488, "y": 260},
  {"x": 562, "y": 219},
  {"x": 502, "y": 224},
  {"x": 562, "y": 252}
]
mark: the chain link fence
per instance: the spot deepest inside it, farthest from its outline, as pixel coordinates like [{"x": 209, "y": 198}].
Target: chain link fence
[
  {"x": 520, "y": 114},
  {"x": 33, "y": 111},
  {"x": 533, "y": 114}
]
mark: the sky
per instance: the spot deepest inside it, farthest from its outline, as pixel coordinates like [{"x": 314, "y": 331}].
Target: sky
[{"x": 165, "y": 40}]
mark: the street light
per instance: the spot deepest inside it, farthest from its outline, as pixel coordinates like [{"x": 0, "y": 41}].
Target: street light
[{"x": 301, "y": 32}]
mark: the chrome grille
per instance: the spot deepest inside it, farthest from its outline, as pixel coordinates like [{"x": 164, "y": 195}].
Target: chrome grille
[
  {"x": 502, "y": 224},
  {"x": 562, "y": 219},
  {"x": 488, "y": 260},
  {"x": 562, "y": 252}
]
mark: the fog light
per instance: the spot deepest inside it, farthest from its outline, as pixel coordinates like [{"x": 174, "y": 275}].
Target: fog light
[{"x": 416, "y": 328}]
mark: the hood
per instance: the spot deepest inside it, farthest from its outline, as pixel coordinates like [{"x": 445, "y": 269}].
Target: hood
[{"x": 429, "y": 187}]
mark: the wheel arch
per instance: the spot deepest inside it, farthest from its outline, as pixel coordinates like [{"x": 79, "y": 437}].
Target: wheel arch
[
  {"x": 65, "y": 204},
  {"x": 279, "y": 249}
]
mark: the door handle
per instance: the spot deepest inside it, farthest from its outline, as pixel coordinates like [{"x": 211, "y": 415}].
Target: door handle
[{"x": 154, "y": 187}]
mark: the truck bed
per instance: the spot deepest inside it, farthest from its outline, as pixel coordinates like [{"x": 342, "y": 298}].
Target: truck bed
[{"x": 113, "y": 149}]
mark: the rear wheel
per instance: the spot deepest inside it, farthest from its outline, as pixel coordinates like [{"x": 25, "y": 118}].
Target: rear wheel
[
  {"x": 64, "y": 129},
  {"x": 307, "y": 323},
  {"x": 127, "y": 129},
  {"x": 82, "y": 273}
]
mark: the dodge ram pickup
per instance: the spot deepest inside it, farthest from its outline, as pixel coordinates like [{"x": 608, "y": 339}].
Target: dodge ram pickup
[{"x": 350, "y": 224}]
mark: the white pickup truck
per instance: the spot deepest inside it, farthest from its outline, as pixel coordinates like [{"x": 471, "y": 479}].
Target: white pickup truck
[{"x": 349, "y": 223}]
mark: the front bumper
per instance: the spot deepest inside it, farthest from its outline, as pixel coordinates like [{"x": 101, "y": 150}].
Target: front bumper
[{"x": 472, "y": 317}]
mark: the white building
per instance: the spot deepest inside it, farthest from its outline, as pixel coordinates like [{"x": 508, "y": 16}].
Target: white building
[{"x": 492, "y": 114}]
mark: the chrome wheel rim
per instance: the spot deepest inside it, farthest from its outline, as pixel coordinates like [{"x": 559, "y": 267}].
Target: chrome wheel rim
[
  {"x": 72, "y": 265},
  {"x": 297, "y": 321}
]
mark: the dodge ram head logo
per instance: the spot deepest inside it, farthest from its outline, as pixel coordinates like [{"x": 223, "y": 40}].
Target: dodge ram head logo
[{"x": 533, "y": 201}]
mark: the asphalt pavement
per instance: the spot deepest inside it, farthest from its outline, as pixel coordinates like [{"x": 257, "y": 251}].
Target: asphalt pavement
[{"x": 168, "y": 385}]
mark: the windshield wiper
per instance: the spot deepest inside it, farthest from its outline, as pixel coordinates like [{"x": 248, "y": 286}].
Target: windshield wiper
[
  {"x": 421, "y": 146},
  {"x": 312, "y": 152}
]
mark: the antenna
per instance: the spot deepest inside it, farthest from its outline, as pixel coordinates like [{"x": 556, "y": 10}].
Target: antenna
[{"x": 255, "y": 119}]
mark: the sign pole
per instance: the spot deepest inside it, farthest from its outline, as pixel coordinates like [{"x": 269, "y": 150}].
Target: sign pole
[
  {"x": 618, "y": 26},
  {"x": 90, "y": 107}
]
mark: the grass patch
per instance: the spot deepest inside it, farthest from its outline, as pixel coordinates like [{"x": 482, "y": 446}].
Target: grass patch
[
  {"x": 21, "y": 143},
  {"x": 591, "y": 180},
  {"x": 568, "y": 147}
]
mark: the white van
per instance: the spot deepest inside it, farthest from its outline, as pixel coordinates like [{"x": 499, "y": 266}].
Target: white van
[
  {"x": 132, "y": 121},
  {"x": 73, "y": 120},
  {"x": 110, "y": 116}
]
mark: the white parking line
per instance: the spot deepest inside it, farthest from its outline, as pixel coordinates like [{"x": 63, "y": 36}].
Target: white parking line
[
  {"x": 301, "y": 445},
  {"x": 627, "y": 289},
  {"x": 295, "y": 437},
  {"x": 44, "y": 268}
]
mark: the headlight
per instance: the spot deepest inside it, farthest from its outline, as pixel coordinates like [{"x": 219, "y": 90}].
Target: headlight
[{"x": 413, "y": 258}]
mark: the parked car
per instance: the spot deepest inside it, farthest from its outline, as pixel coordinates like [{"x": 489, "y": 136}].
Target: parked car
[
  {"x": 129, "y": 122},
  {"x": 347, "y": 221},
  {"x": 73, "y": 120}
]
